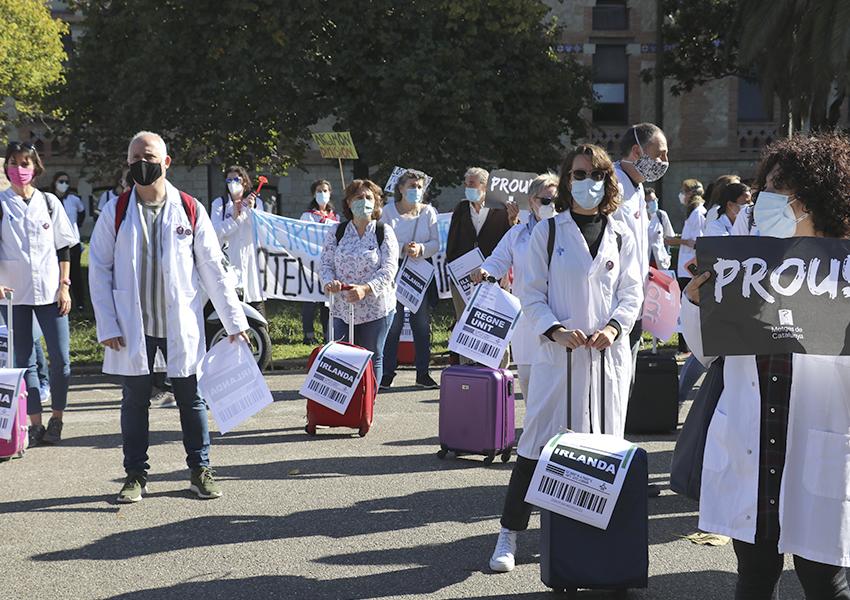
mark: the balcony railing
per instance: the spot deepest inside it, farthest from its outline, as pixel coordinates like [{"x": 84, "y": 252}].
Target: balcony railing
[{"x": 752, "y": 137}]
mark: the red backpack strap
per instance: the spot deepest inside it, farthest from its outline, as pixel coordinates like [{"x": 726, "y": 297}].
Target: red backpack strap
[
  {"x": 191, "y": 208},
  {"x": 121, "y": 209}
]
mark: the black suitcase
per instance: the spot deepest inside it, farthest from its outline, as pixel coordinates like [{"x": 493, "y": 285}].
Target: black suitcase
[
  {"x": 654, "y": 403},
  {"x": 575, "y": 555}
]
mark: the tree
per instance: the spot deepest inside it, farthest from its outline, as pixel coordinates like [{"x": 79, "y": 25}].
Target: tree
[
  {"x": 32, "y": 51},
  {"x": 436, "y": 85}
]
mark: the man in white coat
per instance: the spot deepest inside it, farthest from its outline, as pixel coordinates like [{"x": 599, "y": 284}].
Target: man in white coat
[{"x": 148, "y": 262}]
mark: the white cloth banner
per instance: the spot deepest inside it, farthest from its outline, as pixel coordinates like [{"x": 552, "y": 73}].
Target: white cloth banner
[
  {"x": 232, "y": 384},
  {"x": 414, "y": 277},
  {"x": 335, "y": 375},
  {"x": 486, "y": 326},
  {"x": 461, "y": 268},
  {"x": 581, "y": 475},
  {"x": 10, "y": 390}
]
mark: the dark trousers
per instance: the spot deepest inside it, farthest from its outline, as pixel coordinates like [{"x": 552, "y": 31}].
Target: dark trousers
[
  {"x": 760, "y": 565},
  {"x": 683, "y": 345},
  {"x": 78, "y": 282},
  {"x": 308, "y": 316},
  {"x": 134, "y": 415},
  {"x": 517, "y": 511},
  {"x": 420, "y": 324}
]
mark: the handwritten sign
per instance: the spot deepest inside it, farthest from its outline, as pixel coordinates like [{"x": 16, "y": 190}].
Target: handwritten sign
[{"x": 335, "y": 144}]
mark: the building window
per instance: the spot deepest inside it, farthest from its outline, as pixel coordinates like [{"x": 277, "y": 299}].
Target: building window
[
  {"x": 610, "y": 85},
  {"x": 610, "y": 15},
  {"x": 751, "y": 102}
]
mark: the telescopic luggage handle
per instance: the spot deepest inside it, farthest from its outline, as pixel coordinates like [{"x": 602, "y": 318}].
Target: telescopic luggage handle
[
  {"x": 570, "y": 388},
  {"x": 10, "y": 333},
  {"x": 331, "y": 317}
]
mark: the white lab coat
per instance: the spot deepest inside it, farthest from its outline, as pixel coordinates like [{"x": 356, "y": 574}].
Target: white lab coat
[
  {"x": 73, "y": 206},
  {"x": 693, "y": 228},
  {"x": 29, "y": 239},
  {"x": 238, "y": 235},
  {"x": 719, "y": 227},
  {"x": 657, "y": 247},
  {"x": 632, "y": 213},
  {"x": 814, "y": 500},
  {"x": 512, "y": 251},
  {"x": 580, "y": 294},
  {"x": 188, "y": 262}
]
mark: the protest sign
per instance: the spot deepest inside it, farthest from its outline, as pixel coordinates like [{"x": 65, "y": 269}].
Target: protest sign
[
  {"x": 414, "y": 277},
  {"x": 232, "y": 385},
  {"x": 486, "y": 326},
  {"x": 661, "y": 304},
  {"x": 461, "y": 268},
  {"x": 10, "y": 389},
  {"x": 406, "y": 334},
  {"x": 398, "y": 172},
  {"x": 508, "y": 186},
  {"x": 580, "y": 476},
  {"x": 335, "y": 144},
  {"x": 334, "y": 376},
  {"x": 772, "y": 296}
]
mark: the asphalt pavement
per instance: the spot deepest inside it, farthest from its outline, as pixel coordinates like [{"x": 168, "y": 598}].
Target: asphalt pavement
[{"x": 334, "y": 516}]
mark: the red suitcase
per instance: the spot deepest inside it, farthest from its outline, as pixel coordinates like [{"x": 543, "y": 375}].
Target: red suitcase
[
  {"x": 360, "y": 410},
  {"x": 406, "y": 350}
]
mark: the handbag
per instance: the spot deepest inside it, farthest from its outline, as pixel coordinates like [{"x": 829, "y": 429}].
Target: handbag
[{"x": 686, "y": 464}]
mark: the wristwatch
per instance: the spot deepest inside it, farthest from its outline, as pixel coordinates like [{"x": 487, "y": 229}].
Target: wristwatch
[{"x": 66, "y": 282}]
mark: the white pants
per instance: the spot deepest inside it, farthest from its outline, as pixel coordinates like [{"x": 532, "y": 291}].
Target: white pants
[{"x": 524, "y": 372}]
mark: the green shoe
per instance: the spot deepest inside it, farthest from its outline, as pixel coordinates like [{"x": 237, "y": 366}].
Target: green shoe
[
  {"x": 203, "y": 484},
  {"x": 134, "y": 486}
]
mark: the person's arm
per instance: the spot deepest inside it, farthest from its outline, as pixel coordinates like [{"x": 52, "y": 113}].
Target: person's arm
[
  {"x": 659, "y": 250},
  {"x": 628, "y": 297},
  {"x": 81, "y": 212},
  {"x": 384, "y": 279},
  {"x": 63, "y": 294},
  {"x": 499, "y": 262},
  {"x": 535, "y": 296},
  {"x": 452, "y": 241},
  {"x": 327, "y": 269},
  {"x": 432, "y": 246},
  {"x": 101, "y": 265},
  {"x": 690, "y": 317},
  {"x": 668, "y": 226},
  {"x": 225, "y": 228}
]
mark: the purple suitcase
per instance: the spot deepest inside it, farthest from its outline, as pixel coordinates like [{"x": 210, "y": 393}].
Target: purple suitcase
[{"x": 477, "y": 412}]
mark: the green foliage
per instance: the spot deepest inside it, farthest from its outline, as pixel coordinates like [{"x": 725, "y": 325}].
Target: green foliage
[
  {"x": 434, "y": 84},
  {"x": 32, "y": 51}
]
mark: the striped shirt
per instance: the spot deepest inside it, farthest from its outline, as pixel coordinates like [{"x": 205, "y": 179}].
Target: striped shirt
[{"x": 151, "y": 285}]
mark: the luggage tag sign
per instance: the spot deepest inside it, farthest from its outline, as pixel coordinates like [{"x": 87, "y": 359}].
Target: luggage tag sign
[
  {"x": 486, "y": 326},
  {"x": 580, "y": 476},
  {"x": 460, "y": 271},
  {"x": 412, "y": 282},
  {"x": 10, "y": 386},
  {"x": 334, "y": 376}
]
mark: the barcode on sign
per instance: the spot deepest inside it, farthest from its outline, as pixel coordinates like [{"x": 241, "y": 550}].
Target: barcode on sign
[
  {"x": 570, "y": 494},
  {"x": 326, "y": 391},
  {"x": 4, "y": 423},
  {"x": 478, "y": 345},
  {"x": 407, "y": 295},
  {"x": 237, "y": 407}
]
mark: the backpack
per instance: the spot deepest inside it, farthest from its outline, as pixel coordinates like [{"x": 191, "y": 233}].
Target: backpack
[
  {"x": 379, "y": 232},
  {"x": 189, "y": 205},
  {"x": 550, "y": 243}
]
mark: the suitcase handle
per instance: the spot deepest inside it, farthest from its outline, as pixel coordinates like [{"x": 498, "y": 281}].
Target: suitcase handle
[
  {"x": 331, "y": 318},
  {"x": 570, "y": 388},
  {"x": 10, "y": 332}
]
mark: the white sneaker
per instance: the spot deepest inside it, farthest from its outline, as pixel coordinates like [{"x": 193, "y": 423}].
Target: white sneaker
[
  {"x": 44, "y": 392},
  {"x": 502, "y": 560},
  {"x": 164, "y": 400}
]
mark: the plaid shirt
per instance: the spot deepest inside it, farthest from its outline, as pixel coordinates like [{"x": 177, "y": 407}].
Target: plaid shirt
[{"x": 774, "y": 374}]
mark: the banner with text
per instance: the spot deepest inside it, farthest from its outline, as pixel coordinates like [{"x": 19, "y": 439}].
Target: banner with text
[{"x": 508, "y": 186}]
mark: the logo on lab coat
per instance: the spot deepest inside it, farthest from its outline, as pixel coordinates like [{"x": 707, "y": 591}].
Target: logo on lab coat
[
  {"x": 46, "y": 225},
  {"x": 786, "y": 318},
  {"x": 180, "y": 230},
  {"x": 609, "y": 265}
]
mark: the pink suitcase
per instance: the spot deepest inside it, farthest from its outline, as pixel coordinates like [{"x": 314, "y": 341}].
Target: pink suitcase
[
  {"x": 16, "y": 445},
  {"x": 477, "y": 412}
]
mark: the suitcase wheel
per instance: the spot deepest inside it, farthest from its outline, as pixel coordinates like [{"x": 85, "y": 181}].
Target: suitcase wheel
[
  {"x": 506, "y": 455},
  {"x": 362, "y": 432},
  {"x": 311, "y": 430},
  {"x": 441, "y": 453},
  {"x": 570, "y": 593},
  {"x": 488, "y": 460}
]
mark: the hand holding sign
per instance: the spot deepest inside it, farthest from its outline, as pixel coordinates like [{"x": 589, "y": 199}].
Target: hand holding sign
[{"x": 692, "y": 289}]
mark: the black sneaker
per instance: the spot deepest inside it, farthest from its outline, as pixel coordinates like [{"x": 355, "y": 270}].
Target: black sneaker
[
  {"x": 309, "y": 340},
  {"x": 36, "y": 434},
  {"x": 53, "y": 433},
  {"x": 386, "y": 382},
  {"x": 426, "y": 381}
]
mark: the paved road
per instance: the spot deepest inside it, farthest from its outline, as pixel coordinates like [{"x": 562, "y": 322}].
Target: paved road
[{"x": 331, "y": 517}]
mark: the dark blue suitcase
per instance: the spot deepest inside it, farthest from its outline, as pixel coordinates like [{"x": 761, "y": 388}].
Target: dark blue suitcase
[{"x": 575, "y": 555}]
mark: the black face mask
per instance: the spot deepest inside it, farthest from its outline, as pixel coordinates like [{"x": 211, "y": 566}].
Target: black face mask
[{"x": 144, "y": 173}]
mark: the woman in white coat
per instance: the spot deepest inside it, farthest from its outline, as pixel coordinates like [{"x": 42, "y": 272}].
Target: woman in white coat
[
  {"x": 512, "y": 251},
  {"x": 585, "y": 298},
  {"x": 776, "y": 468},
  {"x": 232, "y": 219},
  {"x": 733, "y": 199}
]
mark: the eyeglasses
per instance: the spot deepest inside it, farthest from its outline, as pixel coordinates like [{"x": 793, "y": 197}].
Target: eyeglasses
[
  {"x": 580, "y": 174},
  {"x": 545, "y": 201},
  {"x": 18, "y": 146},
  {"x": 233, "y": 180},
  {"x": 63, "y": 181}
]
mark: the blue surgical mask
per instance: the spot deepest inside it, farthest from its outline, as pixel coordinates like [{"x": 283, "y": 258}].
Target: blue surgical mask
[
  {"x": 362, "y": 207},
  {"x": 413, "y": 195},
  {"x": 652, "y": 206},
  {"x": 588, "y": 193},
  {"x": 774, "y": 216},
  {"x": 472, "y": 194}
]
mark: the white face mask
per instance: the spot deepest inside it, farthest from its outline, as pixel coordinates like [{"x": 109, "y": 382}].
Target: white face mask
[
  {"x": 682, "y": 198},
  {"x": 235, "y": 188},
  {"x": 62, "y": 187},
  {"x": 588, "y": 193},
  {"x": 546, "y": 211},
  {"x": 322, "y": 199},
  {"x": 774, "y": 216}
]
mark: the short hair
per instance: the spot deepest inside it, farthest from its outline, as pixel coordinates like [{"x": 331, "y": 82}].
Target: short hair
[
  {"x": 482, "y": 174},
  {"x": 731, "y": 193},
  {"x": 354, "y": 188},
  {"x": 409, "y": 175},
  {"x": 599, "y": 159},
  {"x": 243, "y": 174},
  {"x": 541, "y": 182},
  {"x": 817, "y": 171},
  {"x": 638, "y": 134},
  {"x": 157, "y": 138},
  {"x": 25, "y": 150}
]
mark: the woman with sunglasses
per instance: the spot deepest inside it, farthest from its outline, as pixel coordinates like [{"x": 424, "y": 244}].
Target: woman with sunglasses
[
  {"x": 584, "y": 298},
  {"x": 35, "y": 242},
  {"x": 511, "y": 252},
  {"x": 76, "y": 212},
  {"x": 232, "y": 220}
]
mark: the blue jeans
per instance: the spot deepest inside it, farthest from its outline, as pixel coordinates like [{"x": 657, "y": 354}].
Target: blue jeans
[
  {"x": 371, "y": 335},
  {"x": 40, "y": 359},
  {"x": 420, "y": 324},
  {"x": 57, "y": 336},
  {"x": 691, "y": 371},
  {"x": 134, "y": 415}
]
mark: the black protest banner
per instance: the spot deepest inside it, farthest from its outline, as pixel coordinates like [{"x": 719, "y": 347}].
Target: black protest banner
[
  {"x": 505, "y": 186},
  {"x": 770, "y": 295}
]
